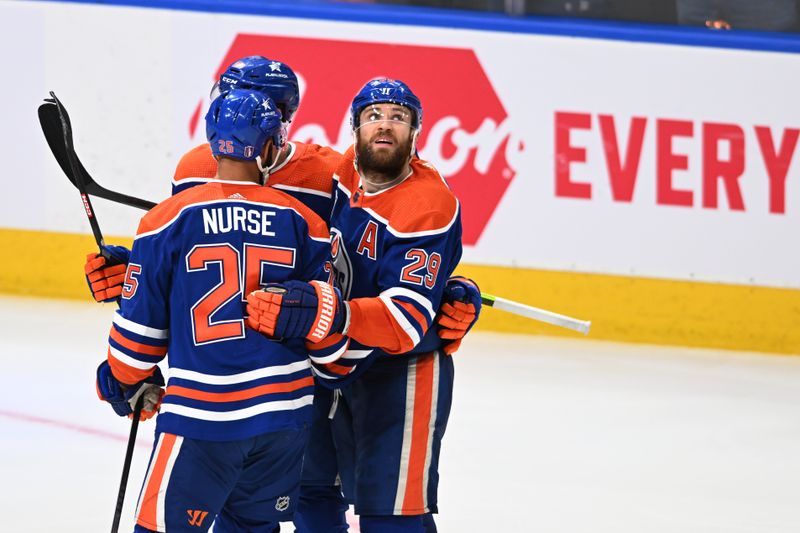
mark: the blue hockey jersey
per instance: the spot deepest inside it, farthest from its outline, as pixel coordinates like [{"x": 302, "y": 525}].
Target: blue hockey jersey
[
  {"x": 393, "y": 251},
  {"x": 196, "y": 255}
]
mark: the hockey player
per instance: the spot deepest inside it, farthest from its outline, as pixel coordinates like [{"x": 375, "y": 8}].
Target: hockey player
[
  {"x": 232, "y": 428},
  {"x": 396, "y": 233},
  {"x": 304, "y": 171}
]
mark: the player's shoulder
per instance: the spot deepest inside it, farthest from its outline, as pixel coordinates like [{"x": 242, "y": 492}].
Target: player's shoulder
[
  {"x": 196, "y": 164},
  {"x": 309, "y": 168},
  {"x": 215, "y": 192},
  {"x": 165, "y": 212},
  {"x": 317, "y": 228},
  {"x": 421, "y": 205},
  {"x": 423, "y": 202},
  {"x": 323, "y": 155}
]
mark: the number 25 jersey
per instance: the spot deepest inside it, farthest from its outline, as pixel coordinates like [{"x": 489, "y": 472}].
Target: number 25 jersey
[{"x": 196, "y": 255}]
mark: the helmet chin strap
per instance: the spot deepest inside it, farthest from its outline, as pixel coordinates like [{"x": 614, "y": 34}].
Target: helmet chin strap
[{"x": 266, "y": 170}]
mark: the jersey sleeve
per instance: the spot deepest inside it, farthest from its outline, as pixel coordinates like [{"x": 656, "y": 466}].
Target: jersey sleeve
[
  {"x": 412, "y": 275},
  {"x": 139, "y": 332}
]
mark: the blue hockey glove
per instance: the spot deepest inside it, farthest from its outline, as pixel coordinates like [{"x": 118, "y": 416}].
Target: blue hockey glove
[
  {"x": 461, "y": 306},
  {"x": 123, "y": 397},
  {"x": 297, "y": 309},
  {"x": 105, "y": 276}
]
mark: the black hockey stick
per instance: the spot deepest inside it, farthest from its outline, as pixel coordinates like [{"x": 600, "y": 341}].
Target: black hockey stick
[
  {"x": 58, "y": 132},
  {"x": 58, "y": 118},
  {"x": 126, "y": 468},
  {"x": 57, "y": 129}
]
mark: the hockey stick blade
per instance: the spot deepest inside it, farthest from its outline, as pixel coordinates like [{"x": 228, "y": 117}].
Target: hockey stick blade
[
  {"x": 72, "y": 165},
  {"x": 50, "y": 120},
  {"x": 542, "y": 315}
]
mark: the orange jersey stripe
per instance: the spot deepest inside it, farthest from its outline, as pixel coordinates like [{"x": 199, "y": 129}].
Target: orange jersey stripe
[
  {"x": 148, "y": 512},
  {"x": 127, "y": 374},
  {"x": 262, "y": 390},
  {"x": 339, "y": 370},
  {"x": 137, "y": 347},
  {"x": 414, "y": 499},
  {"x": 327, "y": 342}
]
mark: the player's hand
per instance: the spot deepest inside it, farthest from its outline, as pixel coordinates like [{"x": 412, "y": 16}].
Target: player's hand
[
  {"x": 105, "y": 276},
  {"x": 461, "y": 306},
  {"x": 123, "y": 397},
  {"x": 297, "y": 309}
]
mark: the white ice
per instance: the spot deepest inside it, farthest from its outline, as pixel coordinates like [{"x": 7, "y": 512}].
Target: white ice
[{"x": 546, "y": 435}]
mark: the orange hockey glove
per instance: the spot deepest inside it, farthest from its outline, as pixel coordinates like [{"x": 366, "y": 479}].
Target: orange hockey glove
[
  {"x": 461, "y": 306},
  {"x": 105, "y": 277}
]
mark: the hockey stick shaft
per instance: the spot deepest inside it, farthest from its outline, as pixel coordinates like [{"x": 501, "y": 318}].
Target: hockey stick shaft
[
  {"x": 535, "y": 313},
  {"x": 126, "y": 468},
  {"x": 64, "y": 150}
]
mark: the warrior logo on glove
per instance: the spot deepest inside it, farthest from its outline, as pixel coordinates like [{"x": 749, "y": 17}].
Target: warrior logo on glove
[{"x": 297, "y": 309}]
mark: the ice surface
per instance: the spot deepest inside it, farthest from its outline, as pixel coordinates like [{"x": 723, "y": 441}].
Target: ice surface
[{"x": 546, "y": 435}]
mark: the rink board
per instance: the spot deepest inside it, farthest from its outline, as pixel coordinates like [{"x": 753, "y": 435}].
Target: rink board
[
  {"x": 621, "y": 308},
  {"x": 643, "y": 178}
]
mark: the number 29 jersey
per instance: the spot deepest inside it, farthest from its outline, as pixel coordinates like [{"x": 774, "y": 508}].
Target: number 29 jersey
[
  {"x": 194, "y": 259},
  {"x": 393, "y": 251}
]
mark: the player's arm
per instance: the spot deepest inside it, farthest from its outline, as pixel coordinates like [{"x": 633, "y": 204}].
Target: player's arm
[
  {"x": 105, "y": 277},
  {"x": 327, "y": 351},
  {"x": 412, "y": 276},
  {"x": 138, "y": 337}
]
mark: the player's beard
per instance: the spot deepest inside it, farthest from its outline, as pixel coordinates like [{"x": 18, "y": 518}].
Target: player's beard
[{"x": 386, "y": 163}]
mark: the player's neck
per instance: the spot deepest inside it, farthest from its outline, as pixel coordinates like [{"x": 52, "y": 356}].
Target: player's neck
[
  {"x": 232, "y": 170},
  {"x": 377, "y": 181}
]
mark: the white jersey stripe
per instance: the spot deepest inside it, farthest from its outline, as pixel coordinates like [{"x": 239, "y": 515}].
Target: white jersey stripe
[
  {"x": 301, "y": 189},
  {"x": 408, "y": 293},
  {"x": 401, "y": 319},
  {"x": 335, "y": 356},
  {"x": 139, "y": 329},
  {"x": 408, "y": 427},
  {"x": 238, "y": 414},
  {"x": 356, "y": 354},
  {"x": 128, "y": 360},
  {"x": 161, "y": 506},
  {"x": 212, "y": 379},
  {"x": 191, "y": 180},
  {"x": 319, "y": 373},
  {"x": 431, "y": 428},
  {"x": 149, "y": 474}
]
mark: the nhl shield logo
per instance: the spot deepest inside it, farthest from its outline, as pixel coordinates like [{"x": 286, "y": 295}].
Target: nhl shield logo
[
  {"x": 248, "y": 151},
  {"x": 282, "y": 504}
]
